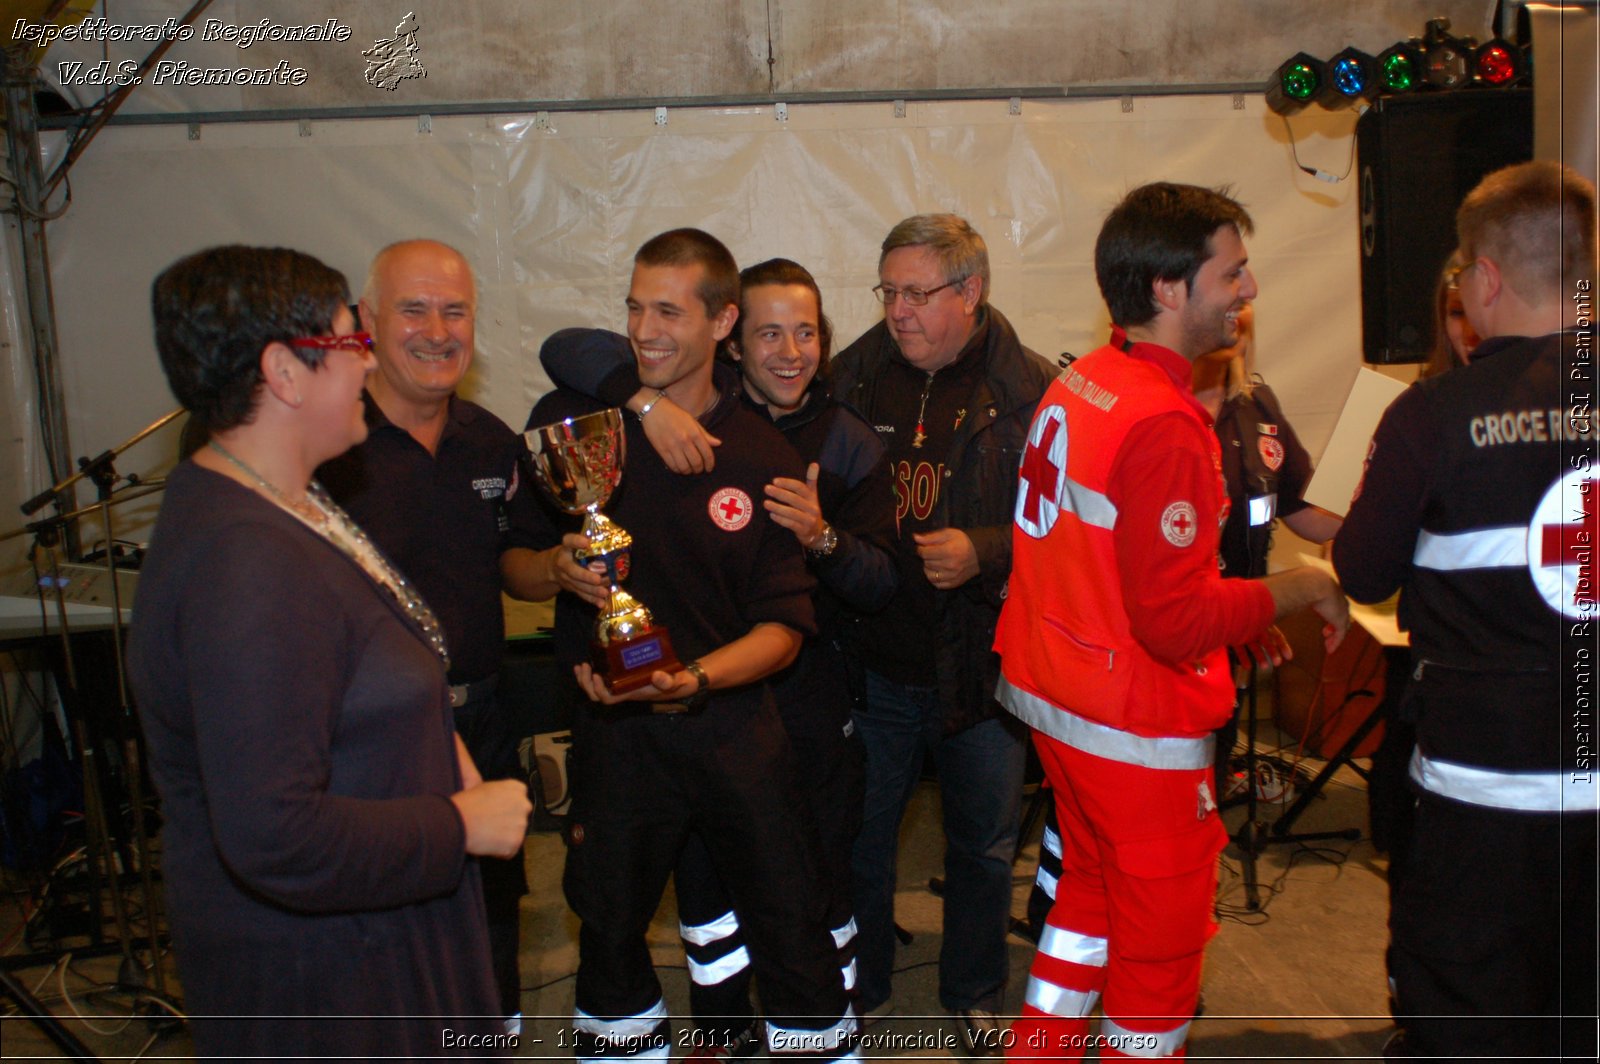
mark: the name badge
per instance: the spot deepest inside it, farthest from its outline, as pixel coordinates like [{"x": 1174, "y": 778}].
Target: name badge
[{"x": 1263, "y": 508}]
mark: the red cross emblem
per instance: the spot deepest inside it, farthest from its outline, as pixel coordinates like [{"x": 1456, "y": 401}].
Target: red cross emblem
[
  {"x": 1044, "y": 465},
  {"x": 1178, "y": 523},
  {"x": 730, "y": 509},
  {"x": 1563, "y": 537},
  {"x": 1271, "y": 452},
  {"x": 1562, "y": 543}
]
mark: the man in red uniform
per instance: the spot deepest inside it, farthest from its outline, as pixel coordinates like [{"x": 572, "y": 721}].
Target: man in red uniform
[{"x": 1113, "y": 636}]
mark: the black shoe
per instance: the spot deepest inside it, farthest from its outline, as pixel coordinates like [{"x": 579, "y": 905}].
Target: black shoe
[{"x": 981, "y": 1032}]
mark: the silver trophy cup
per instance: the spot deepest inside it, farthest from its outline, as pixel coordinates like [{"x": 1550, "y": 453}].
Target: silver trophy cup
[{"x": 578, "y": 463}]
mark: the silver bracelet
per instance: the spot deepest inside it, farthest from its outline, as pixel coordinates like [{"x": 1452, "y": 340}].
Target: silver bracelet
[{"x": 651, "y": 405}]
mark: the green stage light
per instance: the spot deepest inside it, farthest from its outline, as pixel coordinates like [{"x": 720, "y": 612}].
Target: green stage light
[
  {"x": 1295, "y": 84},
  {"x": 1400, "y": 67}
]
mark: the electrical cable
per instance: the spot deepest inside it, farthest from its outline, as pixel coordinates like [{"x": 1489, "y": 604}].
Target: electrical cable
[{"x": 1320, "y": 175}]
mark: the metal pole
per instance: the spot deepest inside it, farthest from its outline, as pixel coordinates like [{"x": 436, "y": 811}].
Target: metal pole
[{"x": 22, "y": 142}]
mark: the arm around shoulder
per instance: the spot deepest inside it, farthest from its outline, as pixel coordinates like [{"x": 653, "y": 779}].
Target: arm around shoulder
[{"x": 596, "y": 362}]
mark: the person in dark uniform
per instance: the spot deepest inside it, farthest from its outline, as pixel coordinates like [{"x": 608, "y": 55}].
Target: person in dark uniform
[
  {"x": 700, "y": 750},
  {"x": 436, "y": 485},
  {"x": 843, "y": 514},
  {"x": 1477, "y": 504},
  {"x": 1389, "y": 798},
  {"x": 319, "y": 812},
  {"x": 1266, "y": 470}
]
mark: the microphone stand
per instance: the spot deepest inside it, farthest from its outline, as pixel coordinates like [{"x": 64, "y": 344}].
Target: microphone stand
[
  {"x": 102, "y": 471},
  {"x": 92, "y": 467}
]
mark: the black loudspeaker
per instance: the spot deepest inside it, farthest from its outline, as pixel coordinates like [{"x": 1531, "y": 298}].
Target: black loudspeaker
[{"x": 1419, "y": 156}]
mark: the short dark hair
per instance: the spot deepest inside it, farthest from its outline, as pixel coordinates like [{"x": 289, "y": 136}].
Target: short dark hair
[
  {"x": 1536, "y": 220},
  {"x": 786, "y": 271},
  {"x": 217, "y": 310},
  {"x": 1159, "y": 232},
  {"x": 689, "y": 247}
]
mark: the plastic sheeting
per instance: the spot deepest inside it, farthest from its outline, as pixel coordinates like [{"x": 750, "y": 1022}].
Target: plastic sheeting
[
  {"x": 488, "y": 50},
  {"x": 549, "y": 209}
]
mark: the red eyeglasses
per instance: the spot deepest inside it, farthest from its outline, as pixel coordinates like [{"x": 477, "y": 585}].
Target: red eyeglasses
[{"x": 356, "y": 341}]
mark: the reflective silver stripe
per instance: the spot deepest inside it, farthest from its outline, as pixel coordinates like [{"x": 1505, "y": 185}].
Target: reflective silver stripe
[
  {"x": 715, "y": 931},
  {"x": 723, "y": 968},
  {"x": 1051, "y": 841},
  {"x": 804, "y": 1040},
  {"x": 1150, "y": 1045},
  {"x": 1092, "y": 507},
  {"x": 843, "y": 935},
  {"x": 1045, "y": 882},
  {"x": 1100, "y": 739},
  {"x": 1530, "y": 792},
  {"x": 849, "y": 974},
  {"x": 628, "y": 1027},
  {"x": 1056, "y": 1000},
  {"x": 1073, "y": 947},
  {"x": 1483, "y": 548}
]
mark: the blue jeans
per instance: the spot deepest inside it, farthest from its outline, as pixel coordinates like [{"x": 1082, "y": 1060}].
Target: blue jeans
[{"x": 980, "y": 782}]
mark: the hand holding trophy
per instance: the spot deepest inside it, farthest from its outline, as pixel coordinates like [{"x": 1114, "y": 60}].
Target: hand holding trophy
[{"x": 578, "y": 463}]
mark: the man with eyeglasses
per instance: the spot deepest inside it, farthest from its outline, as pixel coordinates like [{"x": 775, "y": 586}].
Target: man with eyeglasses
[
  {"x": 950, "y": 389},
  {"x": 436, "y": 486}
]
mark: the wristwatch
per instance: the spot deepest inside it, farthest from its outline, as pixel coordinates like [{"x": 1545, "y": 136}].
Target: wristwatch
[
  {"x": 702, "y": 694},
  {"x": 827, "y": 545}
]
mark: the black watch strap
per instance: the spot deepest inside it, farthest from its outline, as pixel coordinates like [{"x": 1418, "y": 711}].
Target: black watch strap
[{"x": 702, "y": 694}]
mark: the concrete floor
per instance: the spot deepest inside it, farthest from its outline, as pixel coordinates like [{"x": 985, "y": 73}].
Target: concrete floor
[{"x": 1301, "y": 977}]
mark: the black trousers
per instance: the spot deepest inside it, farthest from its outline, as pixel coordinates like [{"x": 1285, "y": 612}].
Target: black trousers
[
  {"x": 1493, "y": 951},
  {"x": 641, "y": 783},
  {"x": 829, "y": 775}
]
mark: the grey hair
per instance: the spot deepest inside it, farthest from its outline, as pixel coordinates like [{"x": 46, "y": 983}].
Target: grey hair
[{"x": 958, "y": 247}]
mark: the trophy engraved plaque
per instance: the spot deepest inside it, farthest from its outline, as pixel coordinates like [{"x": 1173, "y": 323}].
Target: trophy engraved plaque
[{"x": 578, "y": 463}]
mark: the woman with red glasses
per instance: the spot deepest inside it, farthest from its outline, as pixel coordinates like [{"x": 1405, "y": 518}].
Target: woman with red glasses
[{"x": 319, "y": 813}]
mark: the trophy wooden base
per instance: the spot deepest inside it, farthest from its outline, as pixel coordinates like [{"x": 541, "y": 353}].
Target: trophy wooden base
[{"x": 627, "y": 664}]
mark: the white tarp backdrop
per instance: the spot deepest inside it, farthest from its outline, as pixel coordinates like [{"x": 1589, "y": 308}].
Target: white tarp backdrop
[
  {"x": 549, "y": 205},
  {"x": 550, "y": 212}
]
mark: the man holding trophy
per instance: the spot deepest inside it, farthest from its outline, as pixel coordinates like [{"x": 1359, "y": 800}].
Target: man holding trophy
[{"x": 681, "y": 734}]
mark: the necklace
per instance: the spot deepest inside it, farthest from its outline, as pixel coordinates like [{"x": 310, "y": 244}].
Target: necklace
[
  {"x": 919, "y": 437},
  {"x": 318, "y": 512},
  {"x": 305, "y": 510}
]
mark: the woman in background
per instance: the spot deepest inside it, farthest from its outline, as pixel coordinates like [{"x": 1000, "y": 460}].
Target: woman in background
[
  {"x": 1266, "y": 470},
  {"x": 1453, "y": 336},
  {"x": 319, "y": 812}
]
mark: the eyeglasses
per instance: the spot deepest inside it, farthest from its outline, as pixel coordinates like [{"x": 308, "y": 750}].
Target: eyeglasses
[
  {"x": 1452, "y": 280},
  {"x": 356, "y": 341},
  {"x": 914, "y": 297}
]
